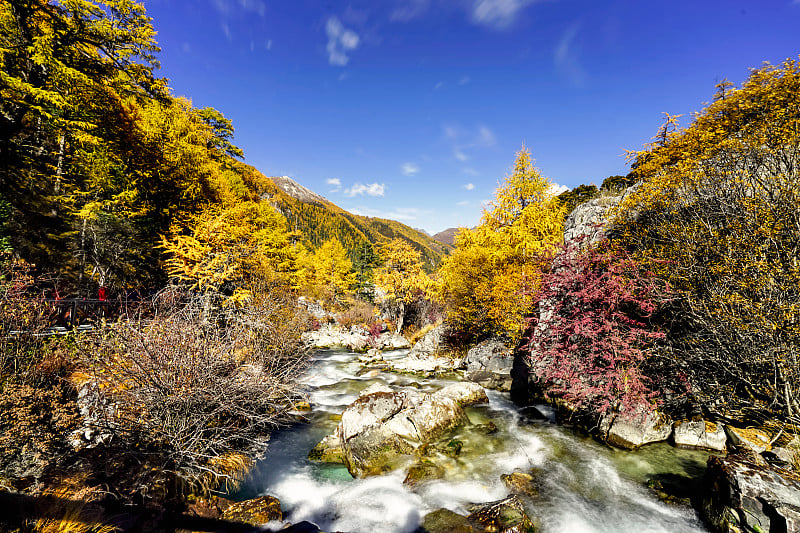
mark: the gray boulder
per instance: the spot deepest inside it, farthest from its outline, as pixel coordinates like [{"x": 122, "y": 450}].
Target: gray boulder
[
  {"x": 490, "y": 355},
  {"x": 491, "y": 380},
  {"x": 393, "y": 341},
  {"x": 699, "y": 434},
  {"x": 630, "y": 432},
  {"x": 463, "y": 393},
  {"x": 742, "y": 495},
  {"x": 489, "y": 364},
  {"x": 427, "y": 420},
  {"x": 375, "y": 451},
  {"x": 427, "y": 364},
  {"x": 369, "y": 410},
  {"x": 382, "y": 427},
  {"x": 431, "y": 343}
]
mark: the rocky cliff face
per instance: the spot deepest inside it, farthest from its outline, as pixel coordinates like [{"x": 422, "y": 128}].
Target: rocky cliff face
[{"x": 588, "y": 222}]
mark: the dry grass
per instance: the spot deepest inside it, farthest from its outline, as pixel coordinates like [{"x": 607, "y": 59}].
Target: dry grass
[
  {"x": 417, "y": 334},
  {"x": 361, "y": 313},
  {"x": 79, "y": 515}
]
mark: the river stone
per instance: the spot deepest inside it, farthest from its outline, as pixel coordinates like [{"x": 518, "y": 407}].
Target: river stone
[
  {"x": 301, "y": 527},
  {"x": 423, "y": 470},
  {"x": 329, "y": 449},
  {"x": 374, "y": 451},
  {"x": 369, "y": 410},
  {"x": 491, "y": 380},
  {"x": 426, "y": 364},
  {"x": 393, "y": 341},
  {"x": 255, "y": 512},
  {"x": 491, "y": 355},
  {"x": 699, "y": 434},
  {"x": 751, "y": 439},
  {"x": 378, "y": 386},
  {"x": 631, "y": 432},
  {"x": 520, "y": 484},
  {"x": 504, "y": 516},
  {"x": 432, "y": 417},
  {"x": 741, "y": 495},
  {"x": 463, "y": 393},
  {"x": 445, "y": 521},
  {"x": 430, "y": 343}
]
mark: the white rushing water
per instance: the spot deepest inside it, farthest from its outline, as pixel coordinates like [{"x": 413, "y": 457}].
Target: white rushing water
[{"x": 583, "y": 485}]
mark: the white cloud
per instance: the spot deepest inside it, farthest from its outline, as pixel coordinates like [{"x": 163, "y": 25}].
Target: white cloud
[
  {"x": 336, "y": 183},
  {"x": 340, "y": 42},
  {"x": 409, "y": 169},
  {"x": 557, "y": 188},
  {"x": 463, "y": 141},
  {"x": 256, "y": 6},
  {"x": 269, "y": 44},
  {"x": 565, "y": 56},
  {"x": 370, "y": 189},
  {"x": 226, "y": 7},
  {"x": 464, "y": 80},
  {"x": 409, "y": 9},
  {"x": 497, "y": 13},
  {"x": 469, "y": 186},
  {"x": 486, "y": 136},
  {"x": 470, "y": 171},
  {"x": 463, "y": 203},
  {"x": 400, "y": 213},
  {"x": 227, "y": 31},
  {"x": 440, "y": 84}
]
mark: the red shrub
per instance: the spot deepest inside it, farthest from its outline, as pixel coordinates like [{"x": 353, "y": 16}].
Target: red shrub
[{"x": 590, "y": 337}]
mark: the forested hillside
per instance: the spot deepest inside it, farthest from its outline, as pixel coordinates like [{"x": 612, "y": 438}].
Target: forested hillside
[{"x": 319, "y": 220}]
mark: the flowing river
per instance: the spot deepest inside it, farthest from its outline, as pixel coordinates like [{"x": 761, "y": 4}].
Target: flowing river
[{"x": 583, "y": 485}]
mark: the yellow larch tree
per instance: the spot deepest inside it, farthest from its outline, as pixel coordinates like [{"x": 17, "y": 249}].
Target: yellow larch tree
[
  {"x": 488, "y": 281},
  {"x": 232, "y": 249},
  {"x": 401, "y": 277},
  {"x": 328, "y": 271}
]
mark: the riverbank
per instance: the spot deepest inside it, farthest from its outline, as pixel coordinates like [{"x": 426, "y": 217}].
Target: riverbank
[
  {"x": 724, "y": 499},
  {"x": 579, "y": 483}
]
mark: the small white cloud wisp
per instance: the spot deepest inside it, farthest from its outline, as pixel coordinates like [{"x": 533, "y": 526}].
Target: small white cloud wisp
[
  {"x": 409, "y": 169},
  {"x": 341, "y": 41},
  {"x": 369, "y": 189},
  {"x": 498, "y": 14}
]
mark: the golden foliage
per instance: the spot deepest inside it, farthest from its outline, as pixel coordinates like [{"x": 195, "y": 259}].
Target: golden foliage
[
  {"x": 488, "y": 281},
  {"x": 231, "y": 248},
  {"x": 326, "y": 273},
  {"x": 717, "y": 216}
]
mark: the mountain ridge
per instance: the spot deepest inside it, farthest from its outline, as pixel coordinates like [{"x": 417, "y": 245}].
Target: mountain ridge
[{"x": 317, "y": 219}]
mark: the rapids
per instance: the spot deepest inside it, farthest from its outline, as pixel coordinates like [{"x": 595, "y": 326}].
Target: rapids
[{"x": 583, "y": 485}]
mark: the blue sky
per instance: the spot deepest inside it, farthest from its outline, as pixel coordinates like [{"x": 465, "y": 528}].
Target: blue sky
[{"x": 414, "y": 109}]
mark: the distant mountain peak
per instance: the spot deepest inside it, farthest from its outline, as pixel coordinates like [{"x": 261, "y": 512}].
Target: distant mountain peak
[
  {"x": 297, "y": 191},
  {"x": 447, "y": 236}
]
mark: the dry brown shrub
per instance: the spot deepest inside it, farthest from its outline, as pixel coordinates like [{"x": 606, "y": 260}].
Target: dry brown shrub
[
  {"x": 195, "y": 390},
  {"x": 361, "y": 313}
]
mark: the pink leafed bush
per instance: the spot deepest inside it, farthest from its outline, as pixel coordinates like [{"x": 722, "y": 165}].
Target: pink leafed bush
[{"x": 589, "y": 338}]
